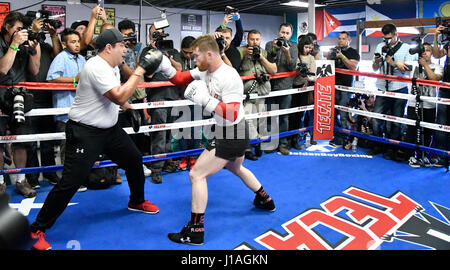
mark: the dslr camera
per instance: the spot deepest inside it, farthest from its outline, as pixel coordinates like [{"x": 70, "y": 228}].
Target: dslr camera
[
  {"x": 281, "y": 41},
  {"x": 221, "y": 42},
  {"x": 262, "y": 78},
  {"x": 445, "y": 38},
  {"x": 256, "y": 52},
  {"x": 42, "y": 14},
  {"x": 333, "y": 53},
  {"x": 229, "y": 11},
  {"x": 131, "y": 37},
  {"x": 386, "y": 49},
  {"x": 420, "y": 49},
  {"x": 302, "y": 69},
  {"x": 357, "y": 100}
]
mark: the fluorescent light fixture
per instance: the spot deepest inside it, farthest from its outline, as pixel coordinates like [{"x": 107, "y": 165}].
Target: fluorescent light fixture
[{"x": 296, "y": 3}]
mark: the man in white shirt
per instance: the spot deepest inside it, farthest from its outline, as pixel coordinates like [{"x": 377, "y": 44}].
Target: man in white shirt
[
  {"x": 92, "y": 130},
  {"x": 219, "y": 89}
]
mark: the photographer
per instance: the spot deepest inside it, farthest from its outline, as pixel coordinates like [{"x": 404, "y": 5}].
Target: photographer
[
  {"x": 284, "y": 53},
  {"x": 18, "y": 56},
  {"x": 345, "y": 57},
  {"x": 254, "y": 62},
  {"x": 427, "y": 110},
  {"x": 192, "y": 142},
  {"x": 306, "y": 64},
  {"x": 127, "y": 68},
  {"x": 43, "y": 99},
  {"x": 230, "y": 53},
  {"x": 390, "y": 58},
  {"x": 166, "y": 93},
  {"x": 443, "y": 111},
  {"x": 87, "y": 42}
]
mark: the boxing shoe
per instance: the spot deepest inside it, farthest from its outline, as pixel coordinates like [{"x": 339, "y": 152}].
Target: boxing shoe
[
  {"x": 192, "y": 234},
  {"x": 263, "y": 200}
]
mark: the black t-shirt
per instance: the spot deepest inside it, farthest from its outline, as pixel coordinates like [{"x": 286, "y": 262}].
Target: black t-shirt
[
  {"x": 166, "y": 92},
  {"x": 342, "y": 79},
  {"x": 234, "y": 56},
  {"x": 43, "y": 97}
]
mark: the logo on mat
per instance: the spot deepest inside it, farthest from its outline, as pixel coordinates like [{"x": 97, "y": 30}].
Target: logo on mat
[
  {"x": 80, "y": 150},
  {"x": 362, "y": 220}
]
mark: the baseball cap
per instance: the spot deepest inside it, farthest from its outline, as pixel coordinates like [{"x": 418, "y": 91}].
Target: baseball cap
[
  {"x": 109, "y": 36},
  {"x": 78, "y": 23}
]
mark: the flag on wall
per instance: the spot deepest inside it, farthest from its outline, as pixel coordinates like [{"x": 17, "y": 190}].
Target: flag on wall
[
  {"x": 348, "y": 17},
  {"x": 374, "y": 15},
  {"x": 330, "y": 22},
  {"x": 318, "y": 24},
  {"x": 325, "y": 24}
]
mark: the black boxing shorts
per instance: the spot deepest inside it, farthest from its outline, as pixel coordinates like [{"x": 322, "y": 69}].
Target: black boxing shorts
[{"x": 230, "y": 142}]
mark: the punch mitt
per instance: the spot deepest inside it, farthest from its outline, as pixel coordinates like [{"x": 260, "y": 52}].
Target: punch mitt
[{"x": 150, "y": 60}]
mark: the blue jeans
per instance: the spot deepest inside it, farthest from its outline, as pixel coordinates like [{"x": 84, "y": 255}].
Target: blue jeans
[
  {"x": 391, "y": 106},
  {"x": 442, "y": 139}
]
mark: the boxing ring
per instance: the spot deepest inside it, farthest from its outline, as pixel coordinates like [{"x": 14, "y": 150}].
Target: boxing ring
[{"x": 326, "y": 197}]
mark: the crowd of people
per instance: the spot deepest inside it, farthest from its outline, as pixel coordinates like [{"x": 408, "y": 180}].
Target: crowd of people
[{"x": 63, "y": 60}]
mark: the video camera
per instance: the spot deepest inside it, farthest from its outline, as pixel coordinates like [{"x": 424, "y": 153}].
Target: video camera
[
  {"x": 160, "y": 43},
  {"x": 302, "y": 69},
  {"x": 445, "y": 38},
  {"x": 420, "y": 49},
  {"x": 41, "y": 14},
  {"x": 281, "y": 41}
]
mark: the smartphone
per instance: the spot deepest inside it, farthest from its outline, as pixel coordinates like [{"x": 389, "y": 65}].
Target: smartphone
[
  {"x": 235, "y": 17},
  {"x": 101, "y": 3}
]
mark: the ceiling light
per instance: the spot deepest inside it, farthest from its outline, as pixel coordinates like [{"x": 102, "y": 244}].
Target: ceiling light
[{"x": 296, "y": 3}]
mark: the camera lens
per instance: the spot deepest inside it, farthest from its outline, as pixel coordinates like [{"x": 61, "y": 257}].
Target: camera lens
[{"x": 19, "y": 109}]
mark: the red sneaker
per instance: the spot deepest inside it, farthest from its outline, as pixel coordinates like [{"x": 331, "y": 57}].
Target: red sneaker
[
  {"x": 41, "y": 243},
  {"x": 183, "y": 164},
  {"x": 192, "y": 162},
  {"x": 146, "y": 207}
]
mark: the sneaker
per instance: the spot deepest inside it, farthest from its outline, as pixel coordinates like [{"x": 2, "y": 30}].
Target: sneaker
[
  {"x": 147, "y": 171},
  {"x": 264, "y": 203},
  {"x": 413, "y": 162},
  {"x": 283, "y": 150},
  {"x": 389, "y": 155},
  {"x": 41, "y": 243},
  {"x": 440, "y": 163},
  {"x": 192, "y": 162},
  {"x": 183, "y": 164},
  {"x": 156, "y": 178},
  {"x": 337, "y": 142},
  {"x": 146, "y": 207},
  {"x": 82, "y": 189},
  {"x": 2, "y": 188},
  {"x": 24, "y": 189},
  {"x": 425, "y": 162},
  {"x": 250, "y": 156},
  {"x": 192, "y": 234}
]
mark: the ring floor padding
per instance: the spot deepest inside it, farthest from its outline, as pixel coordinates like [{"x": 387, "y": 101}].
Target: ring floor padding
[{"x": 304, "y": 180}]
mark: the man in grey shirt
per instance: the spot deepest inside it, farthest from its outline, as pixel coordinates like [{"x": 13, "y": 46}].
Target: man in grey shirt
[{"x": 284, "y": 53}]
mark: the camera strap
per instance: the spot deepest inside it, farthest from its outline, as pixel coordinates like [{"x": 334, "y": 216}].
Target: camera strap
[{"x": 418, "y": 110}]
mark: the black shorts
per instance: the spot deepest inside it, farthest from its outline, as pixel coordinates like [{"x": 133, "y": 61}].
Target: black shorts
[{"x": 231, "y": 142}]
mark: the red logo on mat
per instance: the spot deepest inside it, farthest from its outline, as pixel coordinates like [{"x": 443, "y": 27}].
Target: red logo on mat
[{"x": 369, "y": 225}]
